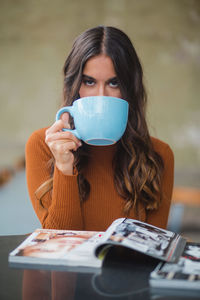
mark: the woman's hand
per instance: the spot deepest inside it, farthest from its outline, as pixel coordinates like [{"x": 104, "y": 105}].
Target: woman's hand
[{"x": 61, "y": 144}]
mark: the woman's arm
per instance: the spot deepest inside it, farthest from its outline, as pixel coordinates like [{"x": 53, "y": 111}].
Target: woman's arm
[{"x": 60, "y": 207}]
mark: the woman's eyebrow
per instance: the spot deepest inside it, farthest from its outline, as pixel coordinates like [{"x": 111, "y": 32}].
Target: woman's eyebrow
[
  {"x": 84, "y": 76},
  {"x": 87, "y": 77},
  {"x": 112, "y": 78}
]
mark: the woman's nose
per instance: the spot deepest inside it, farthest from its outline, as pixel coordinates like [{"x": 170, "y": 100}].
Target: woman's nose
[{"x": 101, "y": 91}]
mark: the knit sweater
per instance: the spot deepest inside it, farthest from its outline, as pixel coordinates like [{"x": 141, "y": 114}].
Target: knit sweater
[{"x": 60, "y": 207}]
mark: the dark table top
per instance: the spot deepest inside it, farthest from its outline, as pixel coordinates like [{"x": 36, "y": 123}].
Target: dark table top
[{"x": 121, "y": 277}]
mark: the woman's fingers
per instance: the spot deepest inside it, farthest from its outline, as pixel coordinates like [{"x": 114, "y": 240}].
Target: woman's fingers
[
  {"x": 55, "y": 131},
  {"x": 62, "y": 135},
  {"x": 60, "y": 124},
  {"x": 63, "y": 146},
  {"x": 57, "y": 126}
]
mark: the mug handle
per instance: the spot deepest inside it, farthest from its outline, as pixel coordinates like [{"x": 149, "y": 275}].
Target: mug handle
[{"x": 70, "y": 111}]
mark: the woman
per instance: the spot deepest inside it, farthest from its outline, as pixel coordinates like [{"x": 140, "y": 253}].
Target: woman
[{"x": 76, "y": 186}]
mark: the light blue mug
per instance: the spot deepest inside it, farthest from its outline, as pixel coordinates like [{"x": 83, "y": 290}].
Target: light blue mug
[{"x": 98, "y": 120}]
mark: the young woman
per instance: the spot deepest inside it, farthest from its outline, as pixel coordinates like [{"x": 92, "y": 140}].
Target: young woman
[{"x": 76, "y": 186}]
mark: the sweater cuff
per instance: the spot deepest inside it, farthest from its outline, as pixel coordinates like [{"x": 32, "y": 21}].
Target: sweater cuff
[{"x": 65, "y": 187}]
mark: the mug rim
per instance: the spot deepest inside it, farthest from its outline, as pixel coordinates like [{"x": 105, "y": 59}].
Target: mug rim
[{"x": 99, "y": 97}]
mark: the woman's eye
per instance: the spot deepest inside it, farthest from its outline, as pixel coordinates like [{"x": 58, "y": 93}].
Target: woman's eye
[
  {"x": 114, "y": 83},
  {"x": 88, "y": 82}
]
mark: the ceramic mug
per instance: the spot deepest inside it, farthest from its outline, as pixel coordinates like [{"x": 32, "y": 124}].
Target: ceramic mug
[{"x": 98, "y": 120}]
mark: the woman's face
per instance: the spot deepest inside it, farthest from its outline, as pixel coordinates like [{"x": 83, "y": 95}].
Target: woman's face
[{"x": 99, "y": 78}]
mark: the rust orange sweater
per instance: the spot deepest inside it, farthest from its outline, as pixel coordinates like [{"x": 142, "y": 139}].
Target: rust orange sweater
[{"x": 61, "y": 209}]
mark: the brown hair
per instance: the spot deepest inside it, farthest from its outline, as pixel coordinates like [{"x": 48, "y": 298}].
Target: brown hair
[{"x": 137, "y": 167}]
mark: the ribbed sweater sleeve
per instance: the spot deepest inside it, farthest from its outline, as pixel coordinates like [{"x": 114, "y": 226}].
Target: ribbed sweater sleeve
[{"x": 60, "y": 207}]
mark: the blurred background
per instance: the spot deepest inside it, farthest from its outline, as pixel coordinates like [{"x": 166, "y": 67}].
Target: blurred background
[{"x": 35, "y": 39}]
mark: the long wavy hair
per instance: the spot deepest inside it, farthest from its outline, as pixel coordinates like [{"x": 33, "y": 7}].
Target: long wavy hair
[{"x": 137, "y": 167}]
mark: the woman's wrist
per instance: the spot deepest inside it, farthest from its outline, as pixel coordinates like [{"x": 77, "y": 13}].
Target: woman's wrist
[{"x": 65, "y": 170}]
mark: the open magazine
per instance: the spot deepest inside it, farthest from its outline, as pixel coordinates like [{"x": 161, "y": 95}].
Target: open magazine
[
  {"x": 185, "y": 274},
  {"x": 144, "y": 238},
  {"x": 57, "y": 249},
  {"x": 46, "y": 248}
]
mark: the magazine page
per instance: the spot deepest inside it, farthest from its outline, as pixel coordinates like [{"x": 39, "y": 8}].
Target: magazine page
[
  {"x": 145, "y": 238},
  {"x": 184, "y": 274},
  {"x": 58, "y": 247}
]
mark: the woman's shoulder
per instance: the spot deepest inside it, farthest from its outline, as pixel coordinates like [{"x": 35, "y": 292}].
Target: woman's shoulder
[
  {"x": 162, "y": 148},
  {"x": 37, "y": 140},
  {"x": 37, "y": 135}
]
